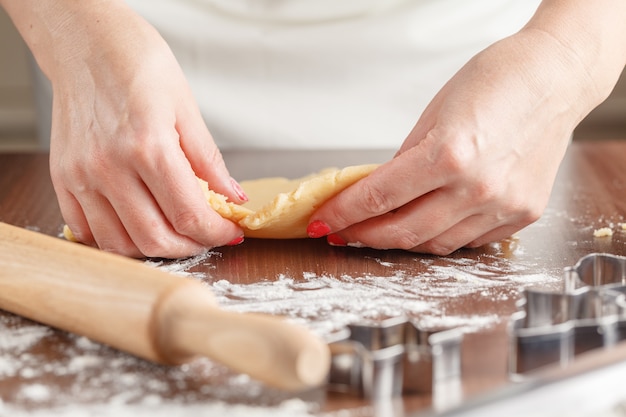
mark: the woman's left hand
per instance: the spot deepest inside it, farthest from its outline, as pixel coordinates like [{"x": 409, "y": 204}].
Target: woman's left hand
[{"x": 480, "y": 163}]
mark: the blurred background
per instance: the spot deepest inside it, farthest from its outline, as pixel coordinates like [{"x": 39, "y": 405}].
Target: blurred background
[{"x": 18, "y": 107}]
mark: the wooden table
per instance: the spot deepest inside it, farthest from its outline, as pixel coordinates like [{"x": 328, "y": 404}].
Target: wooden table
[{"x": 43, "y": 369}]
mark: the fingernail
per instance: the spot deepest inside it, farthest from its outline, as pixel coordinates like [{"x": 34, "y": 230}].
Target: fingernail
[
  {"x": 241, "y": 194},
  {"x": 236, "y": 241},
  {"x": 317, "y": 229},
  {"x": 335, "y": 240}
]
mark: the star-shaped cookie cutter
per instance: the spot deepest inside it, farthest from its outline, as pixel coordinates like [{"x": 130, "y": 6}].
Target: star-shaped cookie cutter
[{"x": 589, "y": 313}]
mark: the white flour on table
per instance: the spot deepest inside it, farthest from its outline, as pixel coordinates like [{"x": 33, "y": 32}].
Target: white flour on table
[
  {"x": 87, "y": 373},
  {"x": 326, "y": 303}
]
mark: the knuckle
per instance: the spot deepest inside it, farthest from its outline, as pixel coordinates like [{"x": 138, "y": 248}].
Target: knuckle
[
  {"x": 124, "y": 249},
  {"x": 529, "y": 211},
  {"x": 375, "y": 200},
  {"x": 524, "y": 212},
  {"x": 406, "y": 239},
  {"x": 341, "y": 218},
  {"x": 477, "y": 243},
  {"x": 437, "y": 248},
  {"x": 533, "y": 214},
  {"x": 159, "y": 248},
  {"x": 139, "y": 145},
  {"x": 530, "y": 215},
  {"x": 213, "y": 156},
  {"x": 142, "y": 149},
  {"x": 484, "y": 192},
  {"x": 455, "y": 160},
  {"x": 155, "y": 242},
  {"x": 118, "y": 244},
  {"x": 186, "y": 222},
  {"x": 154, "y": 250}
]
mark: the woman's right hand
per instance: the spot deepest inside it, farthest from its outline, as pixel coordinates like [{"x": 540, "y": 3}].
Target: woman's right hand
[{"x": 128, "y": 140}]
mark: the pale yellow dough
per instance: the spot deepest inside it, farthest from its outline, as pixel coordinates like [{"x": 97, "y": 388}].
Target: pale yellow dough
[
  {"x": 280, "y": 208},
  {"x": 603, "y": 232}
]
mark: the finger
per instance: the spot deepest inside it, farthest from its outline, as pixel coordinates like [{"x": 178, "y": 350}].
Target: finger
[
  {"x": 387, "y": 188},
  {"x": 147, "y": 226},
  {"x": 469, "y": 233},
  {"x": 108, "y": 232},
  {"x": 177, "y": 192},
  {"x": 134, "y": 227},
  {"x": 411, "y": 225},
  {"x": 74, "y": 217},
  {"x": 458, "y": 236},
  {"x": 204, "y": 156},
  {"x": 500, "y": 233}
]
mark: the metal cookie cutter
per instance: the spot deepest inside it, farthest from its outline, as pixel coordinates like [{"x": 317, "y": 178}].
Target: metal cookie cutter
[
  {"x": 392, "y": 358},
  {"x": 589, "y": 313}
]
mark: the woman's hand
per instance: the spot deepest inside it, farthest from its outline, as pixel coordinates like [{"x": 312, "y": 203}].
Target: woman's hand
[
  {"x": 127, "y": 137},
  {"x": 480, "y": 163}
]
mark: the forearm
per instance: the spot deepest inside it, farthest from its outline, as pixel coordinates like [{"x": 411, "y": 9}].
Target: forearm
[
  {"x": 590, "y": 39},
  {"x": 58, "y": 32}
]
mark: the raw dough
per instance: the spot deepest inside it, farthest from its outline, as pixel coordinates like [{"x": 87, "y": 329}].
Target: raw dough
[
  {"x": 279, "y": 208},
  {"x": 603, "y": 232}
]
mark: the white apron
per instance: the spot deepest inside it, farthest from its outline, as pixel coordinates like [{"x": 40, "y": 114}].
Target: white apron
[{"x": 324, "y": 73}]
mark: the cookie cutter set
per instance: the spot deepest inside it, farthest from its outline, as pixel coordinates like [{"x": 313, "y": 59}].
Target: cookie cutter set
[
  {"x": 588, "y": 313},
  {"x": 393, "y": 357},
  {"x": 397, "y": 356}
]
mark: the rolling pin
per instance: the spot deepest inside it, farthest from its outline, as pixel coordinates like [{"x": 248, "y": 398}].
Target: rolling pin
[{"x": 147, "y": 312}]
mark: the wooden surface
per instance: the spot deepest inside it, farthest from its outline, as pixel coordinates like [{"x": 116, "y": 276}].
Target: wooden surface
[{"x": 323, "y": 286}]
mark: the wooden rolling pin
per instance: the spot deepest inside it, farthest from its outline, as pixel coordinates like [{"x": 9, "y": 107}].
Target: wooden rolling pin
[{"x": 150, "y": 313}]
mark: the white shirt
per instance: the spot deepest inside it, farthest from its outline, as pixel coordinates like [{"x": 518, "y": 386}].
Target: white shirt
[{"x": 324, "y": 73}]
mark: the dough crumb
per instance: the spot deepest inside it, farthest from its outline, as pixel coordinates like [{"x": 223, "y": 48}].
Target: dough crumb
[
  {"x": 67, "y": 234},
  {"x": 603, "y": 232},
  {"x": 623, "y": 226}
]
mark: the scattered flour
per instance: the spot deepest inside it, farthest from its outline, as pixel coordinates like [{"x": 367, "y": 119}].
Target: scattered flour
[
  {"x": 22, "y": 337},
  {"x": 36, "y": 392},
  {"x": 327, "y": 303},
  {"x": 182, "y": 267},
  {"x": 289, "y": 408},
  {"x": 92, "y": 379}
]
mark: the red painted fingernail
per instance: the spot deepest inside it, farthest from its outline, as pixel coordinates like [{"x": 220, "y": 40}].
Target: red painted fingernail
[
  {"x": 335, "y": 240},
  {"x": 317, "y": 229},
  {"x": 235, "y": 241},
  {"x": 241, "y": 194}
]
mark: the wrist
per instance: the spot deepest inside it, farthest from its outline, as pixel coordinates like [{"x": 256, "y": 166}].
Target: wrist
[{"x": 589, "y": 39}]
